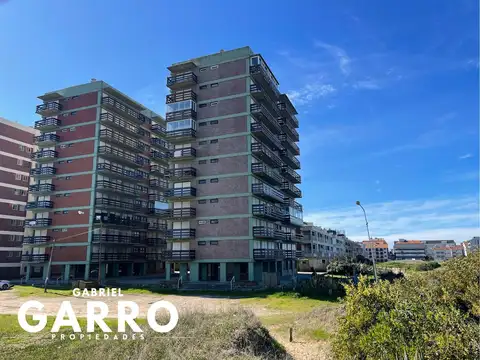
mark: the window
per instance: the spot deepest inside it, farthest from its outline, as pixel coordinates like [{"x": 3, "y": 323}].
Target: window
[
  {"x": 74, "y": 97},
  {"x": 61, "y": 162},
  {"x": 15, "y": 207},
  {"x": 68, "y": 177},
  {"x": 214, "y": 141},
  {"x": 202, "y": 201},
  {"x": 58, "y": 195},
  {"x": 214, "y": 221},
  {"x": 21, "y": 207},
  {"x": 202, "y": 105},
  {"x": 12, "y": 238},
  {"x": 181, "y": 105},
  {"x": 24, "y": 178},
  {"x": 213, "y": 161},
  {"x": 57, "y": 212},
  {"x": 202, "y": 222},
  {"x": 181, "y": 124},
  {"x": 203, "y": 69},
  {"x": 63, "y": 146},
  {"x": 202, "y": 181},
  {"x": 65, "y": 212},
  {"x": 202, "y": 124},
  {"x": 213, "y": 67},
  {"x": 29, "y": 150},
  {"x": 56, "y": 230},
  {"x": 214, "y": 85},
  {"x": 203, "y": 87},
  {"x": 64, "y": 230},
  {"x": 65, "y": 114},
  {"x": 203, "y": 142},
  {"x": 73, "y": 113},
  {"x": 214, "y": 103},
  {"x": 64, "y": 130},
  {"x": 215, "y": 242},
  {"x": 10, "y": 254},
  {"x": 202, "y": 243},
  {"x": 202, "y": 162},
  {"x": 69, "y": 161},
  {"x": 73, "y": 128},
  {"x": 213, "y": 201},
  {"x": 66, "y": 194},
  {"x": 255, "y": 60},
  {"x": 19, "y": 162},
  {"x": 18, "y": 176},
  {"x": 22, "y": 148},
  {"x": 69, "y": 145},
  {"x": 215, "y": 180},
  {"x": 213, "y": 122}
]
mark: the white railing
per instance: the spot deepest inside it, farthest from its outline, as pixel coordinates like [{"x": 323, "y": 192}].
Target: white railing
[
  {"x": 232, "y": 281},
  {"x": 179, "y": 282}
]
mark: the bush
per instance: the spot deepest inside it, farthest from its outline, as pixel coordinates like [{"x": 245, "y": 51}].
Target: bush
[
  {"x": 432, "y": 315},
  {"x": 427, "y": 266},
  {"x": 348, "y": 268}
]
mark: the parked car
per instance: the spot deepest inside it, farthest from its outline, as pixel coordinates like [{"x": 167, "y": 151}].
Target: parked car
[{"x": 5, "y": 284}]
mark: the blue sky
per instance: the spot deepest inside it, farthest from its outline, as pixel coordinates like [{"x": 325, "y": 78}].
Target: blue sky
[{"x": 387, "y": 94}]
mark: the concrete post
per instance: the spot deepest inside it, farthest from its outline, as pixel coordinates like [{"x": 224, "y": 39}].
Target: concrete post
[
  {"x": 223, "y": 271},
  {"x": 251, "y": 271},
  {"x": 27, "y": 274},
  {"x": 193, "y": 271},
  {"x": 168, "y": 270},
  {"x": 66, "y": 273}
]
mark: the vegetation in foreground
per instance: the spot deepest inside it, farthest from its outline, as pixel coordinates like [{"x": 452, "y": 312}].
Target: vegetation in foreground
[
  {"x": 224, "y": 335},
  {"x": 431, "y": 315}
]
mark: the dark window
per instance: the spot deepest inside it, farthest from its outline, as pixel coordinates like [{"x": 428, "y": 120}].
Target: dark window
[
  {"x": 69, "y": 161},
  {"x": 66, "y": 194},
  {"x": 215, "y": 180},
  {"x": 201, "y": 243},
  {"x": 214, "y": 141},
  {"x": 64, "y": 130},
  {"x": 215, "y": 242},
  {"x": 214, "y": 200},
  {"x": 213, "y": 122},
  {"x": 203, "y": 87},
  {"x": 202, "y": 201},
  {"x": 214, "y": 85},
  {"x": 68, "y": 177},
  {"x": 65, "y": 211},
  {"x": 202, "y": 124},
  {"x": 58, "y": 195},
  {"x": 204, "y": 142},
  {"x": 74, "y": 97},
  {"x": 57, "y": 212},
  {"x": 203, "y": 69},
  {"x": 202, "y": 162},
  {"x": 202, "y": 222},
  {"x": 202, "y": 105},
  {"x": 213, "y": 161},
  {"x": 61, "y": 161},
  {"x": 202, "y": 181},
  {"x": 214, "y": 221},
  {"x": 213, "y": 67},
  {"x": 73, "y": 113},
  {"x": 214, "y": 103}
]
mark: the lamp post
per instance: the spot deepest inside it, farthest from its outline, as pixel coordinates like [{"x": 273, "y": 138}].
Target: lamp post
[
  {"x": 368, "y": 232},
  {"x": 49, "y": 266}
]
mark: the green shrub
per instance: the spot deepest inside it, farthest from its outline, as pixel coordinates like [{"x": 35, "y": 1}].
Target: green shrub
[
  {"x": 427, "y": 266},
  {"x": 427, "y": 315}
]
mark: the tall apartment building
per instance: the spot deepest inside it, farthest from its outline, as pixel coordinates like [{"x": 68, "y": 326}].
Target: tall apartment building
[
  {"x": 16, "y": 145},
  {"x": 409, "y": 249},
  {"x": 97, "y": 174},
  {"x": 353, "y": 248},
  {"x": 471, "y": 245},
  {"x": 232, "y": 178},
  {"x": 377, "y": 248}
]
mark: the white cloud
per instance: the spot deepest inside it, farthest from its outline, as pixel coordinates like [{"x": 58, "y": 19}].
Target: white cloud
[
  {"x": 367, "y": 85},
  {"x": 466, "y": 156},
  {"x": 338, "y": 53},
  {"x": 448, "y": 218},
  {"x": 310, "y": 92}
]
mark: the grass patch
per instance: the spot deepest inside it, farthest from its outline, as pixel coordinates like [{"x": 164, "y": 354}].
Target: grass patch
[
  {"x": 319, "y": 334},
  {"x": 26, "y": 291},
  {"x": 286, "y": 301}
]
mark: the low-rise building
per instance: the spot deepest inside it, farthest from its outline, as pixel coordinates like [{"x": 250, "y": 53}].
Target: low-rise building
[
  {"x": 409, "y": 249},
  {"x": 430, "y": 244},
  {"x": 375, "y": 248},
  {"x": 441, "y": 253},
  {"x": 353, "y": 248}
]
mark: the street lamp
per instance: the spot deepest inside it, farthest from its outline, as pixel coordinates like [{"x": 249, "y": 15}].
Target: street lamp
[
  {"x": 49, "y": 266},
  {"x": 368, "y": 232}
]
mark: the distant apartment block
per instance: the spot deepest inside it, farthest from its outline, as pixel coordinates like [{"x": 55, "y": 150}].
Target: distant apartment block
[
  {"x": 97, "y": 175},
  {"x": 233, "y": 180},
  {"x": 409, "y": 249},
  {"x": 471, "y": 245},
  {"x": 16, "y": 147},
  {"x": 322, "y": 243},
  {"x": 353, "y": 248},
  {"x": 375, "y": 248},
  {"x": 441, "y": 252},
  {"x": 430, "y": 244}
]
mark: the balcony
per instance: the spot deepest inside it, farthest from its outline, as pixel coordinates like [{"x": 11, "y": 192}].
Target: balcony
[
  {"x": 265, "y": 135},
  {"x": 119, "y": 123},
  {"x": 290, "y": 189},
  {"x": 291, "y": 175},
  {"x": 160, "y": 156},
  {"x": 174, "y": 214},
  {"x": 46, "y": 139},
  {"x": 179, "y": 255},
  {"x": 181, "y": 115},
  {"x": 266, "y": 173},
  {"x": 159, "y": 143},
  {"x": 158, "y": 129},
  {"x": 263, "y": 232},
  {"x": 268, "y": 211},
  {"x": 294, "y": 237},
  {"x": 184, "y": 154},
  {"x": 111, "y": 220},
  {"x": 180, "y": 81},
  {"x": 105, "y": 186},
  {"x": 107, "y": 257},
  {"x": 39, "y": 205},
  {"x": 178, "y": 136},
  {"x": 181, "y": 193},
  {"x": 290, "y": 159},
  {"x": 157, "y": 169},
  {"x": 122, "y": 173},
  {"x": 268, "y": 254},
  {"x": 44, "y": 155},
  {"x": 37, "y": 223},
  {"x": 112, "y": 204},
  {"x": 35, "y": 240},
  {"x": 157, "y": 226},
  {"x": 266, "y": 155},
  {"x": 158, "y": 184},
  {"x": 179, "y": 234},
  {"x": 116, "y": 138},
  {"x": 41, "y": 189},
  {"x": 112, "y": 104},
  {"x": 261, "y": 76},
  {"x": 120, "y": 156},
  {"x": 35, "y": 258},
  {"x": 118, "y": 239},
  {"x": 181, "y": 96},
  {"x": 156, "y": 197},
  {"x": 263, "y": 115},
  {"x": 287, "y": 110},
  {"x": 43, "y": 172},
  {"x": 267, "y": 192},
  {"x": 49, "y": 108},
  {"x": 293, "y": 254},
  {"x": 289, "y": 144},
  {"x": 156, "y": 242},
  {"x": 288, "y": 129},
  {"x": 180, "y": 174},
  {"x": 48, "y": 124}
]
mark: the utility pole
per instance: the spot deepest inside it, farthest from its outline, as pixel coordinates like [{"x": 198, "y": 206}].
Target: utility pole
[
  {"x": 369, "y": 239},
  {"x": 100, "y": 253},
  {"x": 49, "y": 266}
]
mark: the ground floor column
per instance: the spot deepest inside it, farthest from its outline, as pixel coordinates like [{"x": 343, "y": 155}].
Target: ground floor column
[
  {"x": 87, "y": 271},
  {"x": 251, "y": 271},
  {"x": 116, "y": 270},
  {"x": 45, "y": 271},
  {"x": 168, "y": 270},
  {"x": 223, "y": 271},
  {"x": 66, "y": 272},
  {"x": 183, "y": 271},
  {"x": 193, "y": 271}
]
